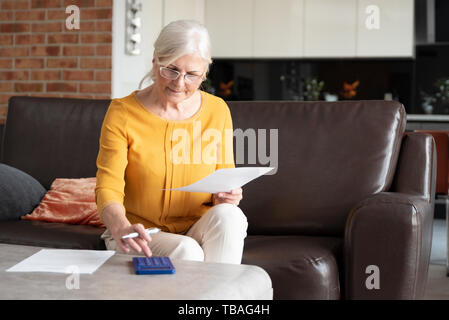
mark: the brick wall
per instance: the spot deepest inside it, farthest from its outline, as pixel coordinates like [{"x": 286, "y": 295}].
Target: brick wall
[{"x": 39, "y": 56}]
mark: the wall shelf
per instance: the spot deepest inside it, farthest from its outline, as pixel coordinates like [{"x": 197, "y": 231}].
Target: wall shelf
[{"x": 428, "y": 117}]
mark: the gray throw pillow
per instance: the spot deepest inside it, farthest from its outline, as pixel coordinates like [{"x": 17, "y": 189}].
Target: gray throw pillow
[{"x": 20, "y": 193}]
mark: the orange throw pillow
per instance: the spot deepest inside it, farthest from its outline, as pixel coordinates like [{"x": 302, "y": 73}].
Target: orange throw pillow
[{"x": 69, "y": 201}]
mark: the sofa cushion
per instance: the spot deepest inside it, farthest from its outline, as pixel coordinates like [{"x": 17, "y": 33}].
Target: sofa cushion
[
  {"x": 20, "y": 193},
  {"x": 69, "y": 201},
  {"x": 60, "y": 135},
  {"x": 51, "y": 235},
  {"x": 300, "y": 267},
  {"x": 329, "y": 156}
]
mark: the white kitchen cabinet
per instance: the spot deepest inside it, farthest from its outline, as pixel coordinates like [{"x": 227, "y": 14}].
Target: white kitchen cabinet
[
  {"x": 301, "y": 28},
  {"x": 230, "y": 25},
  {"x": 330, "y": 28},
  {"x": 278, "y": 28},
  {"x": 385, "y": 28},
  {"x": 183, "y": 9}
]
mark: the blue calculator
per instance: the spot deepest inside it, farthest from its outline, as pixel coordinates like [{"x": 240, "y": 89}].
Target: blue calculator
[{"x": 153, "y": 265}]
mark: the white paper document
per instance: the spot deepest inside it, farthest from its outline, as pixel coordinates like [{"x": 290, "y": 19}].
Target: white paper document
[
  {"x": 225, "y": 180},
  {"x": 63, "y": 261}
]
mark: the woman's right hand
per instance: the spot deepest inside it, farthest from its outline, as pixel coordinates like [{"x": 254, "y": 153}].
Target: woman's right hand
[
  {"x": 114, "y": 218},
  {"x": 137, "y": 244}
]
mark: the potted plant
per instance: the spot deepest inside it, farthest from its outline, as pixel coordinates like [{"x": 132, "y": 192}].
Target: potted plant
[
  {"x": 442, "y": 94},
  {"x": 428, "y": 102},
  {"x": 312, "y": 89}
]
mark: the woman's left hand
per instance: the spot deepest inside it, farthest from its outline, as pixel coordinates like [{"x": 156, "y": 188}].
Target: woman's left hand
[{"x": 232, "y": 197}]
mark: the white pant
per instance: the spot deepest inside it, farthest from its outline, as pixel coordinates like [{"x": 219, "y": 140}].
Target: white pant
[{"x": 218, "y": 236}]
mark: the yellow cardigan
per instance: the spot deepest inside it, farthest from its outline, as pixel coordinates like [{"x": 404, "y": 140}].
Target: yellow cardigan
[{"x": 141, "y": 153}]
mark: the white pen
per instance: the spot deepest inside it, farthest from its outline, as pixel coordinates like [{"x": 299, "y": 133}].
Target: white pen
[{"x": 135, "y": 234}]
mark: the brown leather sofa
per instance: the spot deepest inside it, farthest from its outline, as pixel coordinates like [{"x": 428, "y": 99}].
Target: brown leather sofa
[{"x": 352, "y": 192}]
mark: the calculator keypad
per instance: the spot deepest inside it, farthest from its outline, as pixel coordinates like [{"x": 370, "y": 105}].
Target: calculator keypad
[
  {"x": 161, "y": 262},
  {"x": 153, "y": 265}
]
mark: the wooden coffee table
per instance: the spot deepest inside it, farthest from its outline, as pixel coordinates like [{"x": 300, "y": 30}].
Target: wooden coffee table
[{"x": 116, "y": 280}]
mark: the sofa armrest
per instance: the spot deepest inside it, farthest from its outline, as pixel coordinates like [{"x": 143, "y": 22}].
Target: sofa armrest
[
  {"x": 393, "y": 230},
  {"x": 417, "y": 166},
  {"x": 383, "y": 247}
]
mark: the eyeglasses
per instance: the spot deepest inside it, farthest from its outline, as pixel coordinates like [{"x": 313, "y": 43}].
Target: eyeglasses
[{"x": 171, "y": 74}]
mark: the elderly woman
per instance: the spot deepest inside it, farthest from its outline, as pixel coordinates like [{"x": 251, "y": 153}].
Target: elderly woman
[{"x": 139, "y": 159}]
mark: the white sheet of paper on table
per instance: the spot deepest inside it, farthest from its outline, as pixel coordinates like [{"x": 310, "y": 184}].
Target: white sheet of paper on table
[
  {"x": 63, "y": 261},
  {"x": 225, "y": 180}
]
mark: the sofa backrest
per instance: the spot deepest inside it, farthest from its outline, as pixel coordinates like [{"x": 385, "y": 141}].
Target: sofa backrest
[
  {"x": 51, "y": 138},
  {"x": 330, "y": 156}
]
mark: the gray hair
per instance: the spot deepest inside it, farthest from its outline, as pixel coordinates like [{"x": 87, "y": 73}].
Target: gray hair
[{"x": 179, "y": 38}]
